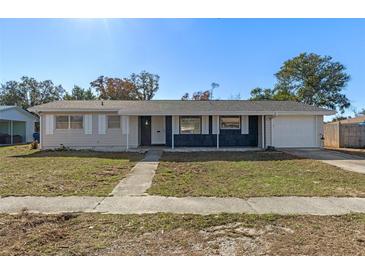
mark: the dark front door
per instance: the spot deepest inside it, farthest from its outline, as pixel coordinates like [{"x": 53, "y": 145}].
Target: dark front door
[{"x": 145, "y": 130}]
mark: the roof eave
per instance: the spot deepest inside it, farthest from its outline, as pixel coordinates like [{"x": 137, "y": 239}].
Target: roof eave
[
  {"x": 20, "y": 110},
  {"x": 121, "y": 112},
  {"x": 274, "y": 113}
]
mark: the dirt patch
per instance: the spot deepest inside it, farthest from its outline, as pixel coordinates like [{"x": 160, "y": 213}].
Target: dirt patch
[{"x": 172, "y": 234}]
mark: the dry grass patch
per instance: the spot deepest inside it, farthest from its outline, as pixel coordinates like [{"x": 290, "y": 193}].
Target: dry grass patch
[
  {"x": 169, "y": 234},
  {"x": 251, "y": 174},
  {"x": 52, "y": 173}
]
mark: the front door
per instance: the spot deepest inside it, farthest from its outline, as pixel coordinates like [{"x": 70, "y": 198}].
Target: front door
[
  {"x": 145, "y": 130},
  {"x": 158, "y": 133}
]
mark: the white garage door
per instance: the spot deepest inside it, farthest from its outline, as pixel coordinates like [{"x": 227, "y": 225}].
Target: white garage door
[{"x": 294, "y": 131}]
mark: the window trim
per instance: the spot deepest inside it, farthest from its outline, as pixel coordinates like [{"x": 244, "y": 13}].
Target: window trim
[
  {"x": 230, "y": 116},
  {"x": 107, "y": 122},
  {"x": 190, "y": 116},
  {"x": 82, "y": 122},
  {"x": 69, "y": 122}
]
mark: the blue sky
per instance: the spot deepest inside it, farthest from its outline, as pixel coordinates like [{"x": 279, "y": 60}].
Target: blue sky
[{"x": 188, "y": 54}]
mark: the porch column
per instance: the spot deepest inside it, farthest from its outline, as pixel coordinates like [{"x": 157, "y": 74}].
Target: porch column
[
  {"x": 174, "y": 129},
  {"x": 173, "y": 141},
  {"x": 11, "y": 132},
  {"x": 218, "y": 131},
  {"x": 263, "y": 131}
]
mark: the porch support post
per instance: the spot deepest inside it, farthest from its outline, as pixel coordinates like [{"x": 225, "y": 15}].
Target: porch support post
[
  {"x": 173, "y": 141},
  {"x": 173, "y": 125},
  {"x": 263, "y": 131},
  {"x": 218, "y": 131},
  {"x": 11, "y": 132}
]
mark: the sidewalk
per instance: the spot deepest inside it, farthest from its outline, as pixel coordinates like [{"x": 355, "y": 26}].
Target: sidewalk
[{"x": 193, "y": 205}]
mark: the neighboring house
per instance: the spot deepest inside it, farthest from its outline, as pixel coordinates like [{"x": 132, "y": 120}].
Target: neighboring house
[
  {"x": 345, "y": 133},
  {"x": 16, "y": 125},
  {"x": 119, "y": 125}
]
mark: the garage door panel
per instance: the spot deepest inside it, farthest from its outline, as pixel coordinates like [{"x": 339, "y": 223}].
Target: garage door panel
[{"x": 294, "y": 131}]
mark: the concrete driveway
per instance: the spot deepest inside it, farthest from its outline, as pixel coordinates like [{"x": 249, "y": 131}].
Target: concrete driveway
[{"x": 342, "y": 160}]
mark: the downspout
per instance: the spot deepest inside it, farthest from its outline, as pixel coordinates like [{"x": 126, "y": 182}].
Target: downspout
[
  {"x": 127, "y": 119},
  {"x": 40, "y": 130}
]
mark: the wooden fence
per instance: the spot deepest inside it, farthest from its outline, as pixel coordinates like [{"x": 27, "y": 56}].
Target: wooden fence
[{"x": 344, "y": 135}]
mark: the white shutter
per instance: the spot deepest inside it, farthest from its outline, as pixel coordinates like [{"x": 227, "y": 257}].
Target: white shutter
[
  {"x": 102, "y": 124},
  {"x": 49, "y": 124},
  {"x": 244, "y": 124},
  {"x": 205, "y": 124},
  {"x": 215, "y": 126},
  {"x": 175, "y": 125},
  {"x": 88, "y": 124},
  {"x": 125, "y": 124}
]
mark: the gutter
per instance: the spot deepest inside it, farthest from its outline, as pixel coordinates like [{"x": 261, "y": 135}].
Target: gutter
[{"x": 120, "y": 112}]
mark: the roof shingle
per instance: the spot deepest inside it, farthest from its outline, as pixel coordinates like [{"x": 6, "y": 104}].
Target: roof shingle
[{"x": 176, "y": 107}]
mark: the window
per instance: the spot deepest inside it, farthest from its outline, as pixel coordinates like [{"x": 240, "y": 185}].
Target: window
[
  {"x": 190, "y": 125},
  {"x": 69, "y": 122},
  {"x": 76, "y": 122},
  {"x": 114, "y": 121},
  {"x": 62, "y": 122},
  {"x": 230, "y": 122}
]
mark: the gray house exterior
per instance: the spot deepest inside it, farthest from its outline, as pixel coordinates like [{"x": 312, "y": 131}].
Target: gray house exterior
[{"x": 121, "y": 125}]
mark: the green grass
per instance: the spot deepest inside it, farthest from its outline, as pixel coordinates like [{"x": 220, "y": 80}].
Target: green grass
[
  {"x": 52, "y": 173},
  {"x": 181, "y": 234},
  {"x": 251, "y": 174}
]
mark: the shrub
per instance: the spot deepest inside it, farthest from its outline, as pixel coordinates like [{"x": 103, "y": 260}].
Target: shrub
[{"x": 34, "y": 145}]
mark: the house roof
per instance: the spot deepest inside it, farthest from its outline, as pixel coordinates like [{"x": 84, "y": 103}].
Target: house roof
[
  {"x": 179, "y": 107},
  {"x": 6, "y": 108}
]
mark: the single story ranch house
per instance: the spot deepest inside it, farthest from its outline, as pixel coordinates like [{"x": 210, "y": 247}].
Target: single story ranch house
[{"x": 120, "y": 125}]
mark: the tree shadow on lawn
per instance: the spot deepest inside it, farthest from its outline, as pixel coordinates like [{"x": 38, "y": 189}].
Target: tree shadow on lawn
[{"x": 227, "y": 156}]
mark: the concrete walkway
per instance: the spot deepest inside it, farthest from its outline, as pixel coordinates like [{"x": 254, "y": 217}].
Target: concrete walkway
[
  {"x": 342, "y": 160},
  {"x": 193, "y": 205},
  {"x": 140, "y": 178}
]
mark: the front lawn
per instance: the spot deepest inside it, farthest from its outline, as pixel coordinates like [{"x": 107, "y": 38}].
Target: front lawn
[
  {"x": 169, "y": 234},
  {"x": 251, "y": 174},
  {"x": 50, "y": 173}
]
